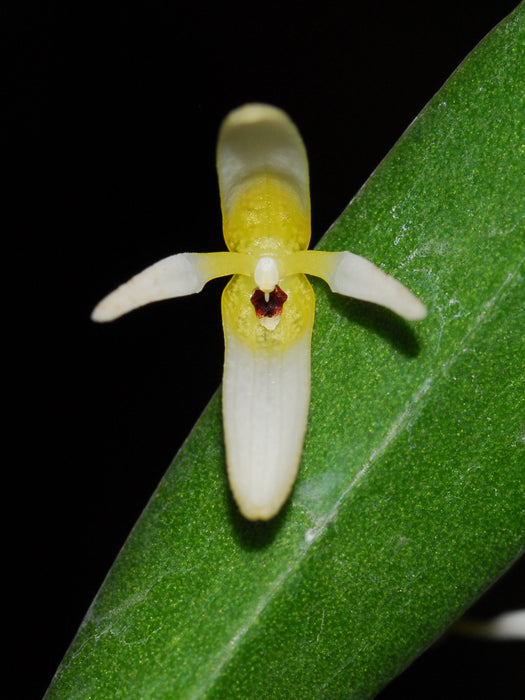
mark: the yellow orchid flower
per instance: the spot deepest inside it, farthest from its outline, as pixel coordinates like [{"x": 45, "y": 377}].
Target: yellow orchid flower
[{"x": 268, "y": 305}]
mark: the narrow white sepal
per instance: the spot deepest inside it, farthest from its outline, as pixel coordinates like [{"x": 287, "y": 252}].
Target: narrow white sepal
[
  {"x": 357, "y": 277},
  {"x": 175, "y": 276},
  {"x": 266, "y": 395},
  {"x": 259, "y": 138}
]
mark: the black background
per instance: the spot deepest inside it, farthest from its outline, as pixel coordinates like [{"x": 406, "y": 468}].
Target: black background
[{"x": 112, "y": 116}]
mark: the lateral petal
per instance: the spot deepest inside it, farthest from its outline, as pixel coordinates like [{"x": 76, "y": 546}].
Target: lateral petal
[
  {"x": 355, "y": 276},
  {"x": 175, "y": 276}
]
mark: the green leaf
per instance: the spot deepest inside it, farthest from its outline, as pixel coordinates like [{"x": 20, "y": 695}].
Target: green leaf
[{"x": 411, "y": 497}]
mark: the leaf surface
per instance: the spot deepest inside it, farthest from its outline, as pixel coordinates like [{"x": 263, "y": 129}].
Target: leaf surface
[{"x": 411, "y": 497}]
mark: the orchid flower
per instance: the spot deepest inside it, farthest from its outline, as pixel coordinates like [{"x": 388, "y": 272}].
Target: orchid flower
[{"x": 268, "y": 305}]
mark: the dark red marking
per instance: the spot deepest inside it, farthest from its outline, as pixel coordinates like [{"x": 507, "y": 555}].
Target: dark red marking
[{"x": 272, "y": 307}]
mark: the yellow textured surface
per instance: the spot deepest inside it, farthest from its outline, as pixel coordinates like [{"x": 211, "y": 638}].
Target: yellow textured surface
[
  {"x": 267, "y": 217},
  {"x": 297, "y": 315}
]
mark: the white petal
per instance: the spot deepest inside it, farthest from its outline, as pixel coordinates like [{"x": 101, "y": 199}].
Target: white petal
[
  {"x": 265, "y": 404},
  {"x": 259, "y": 138},
  {"x": 171, "y": 277},
  {"x": 175, "y": 276},
  {"x": 357, "y": 277}
]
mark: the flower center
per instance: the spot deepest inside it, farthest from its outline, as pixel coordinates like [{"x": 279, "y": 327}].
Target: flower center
[
  {"x": 266, "y": 274},
  {"x": 268, "y": 306}
]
